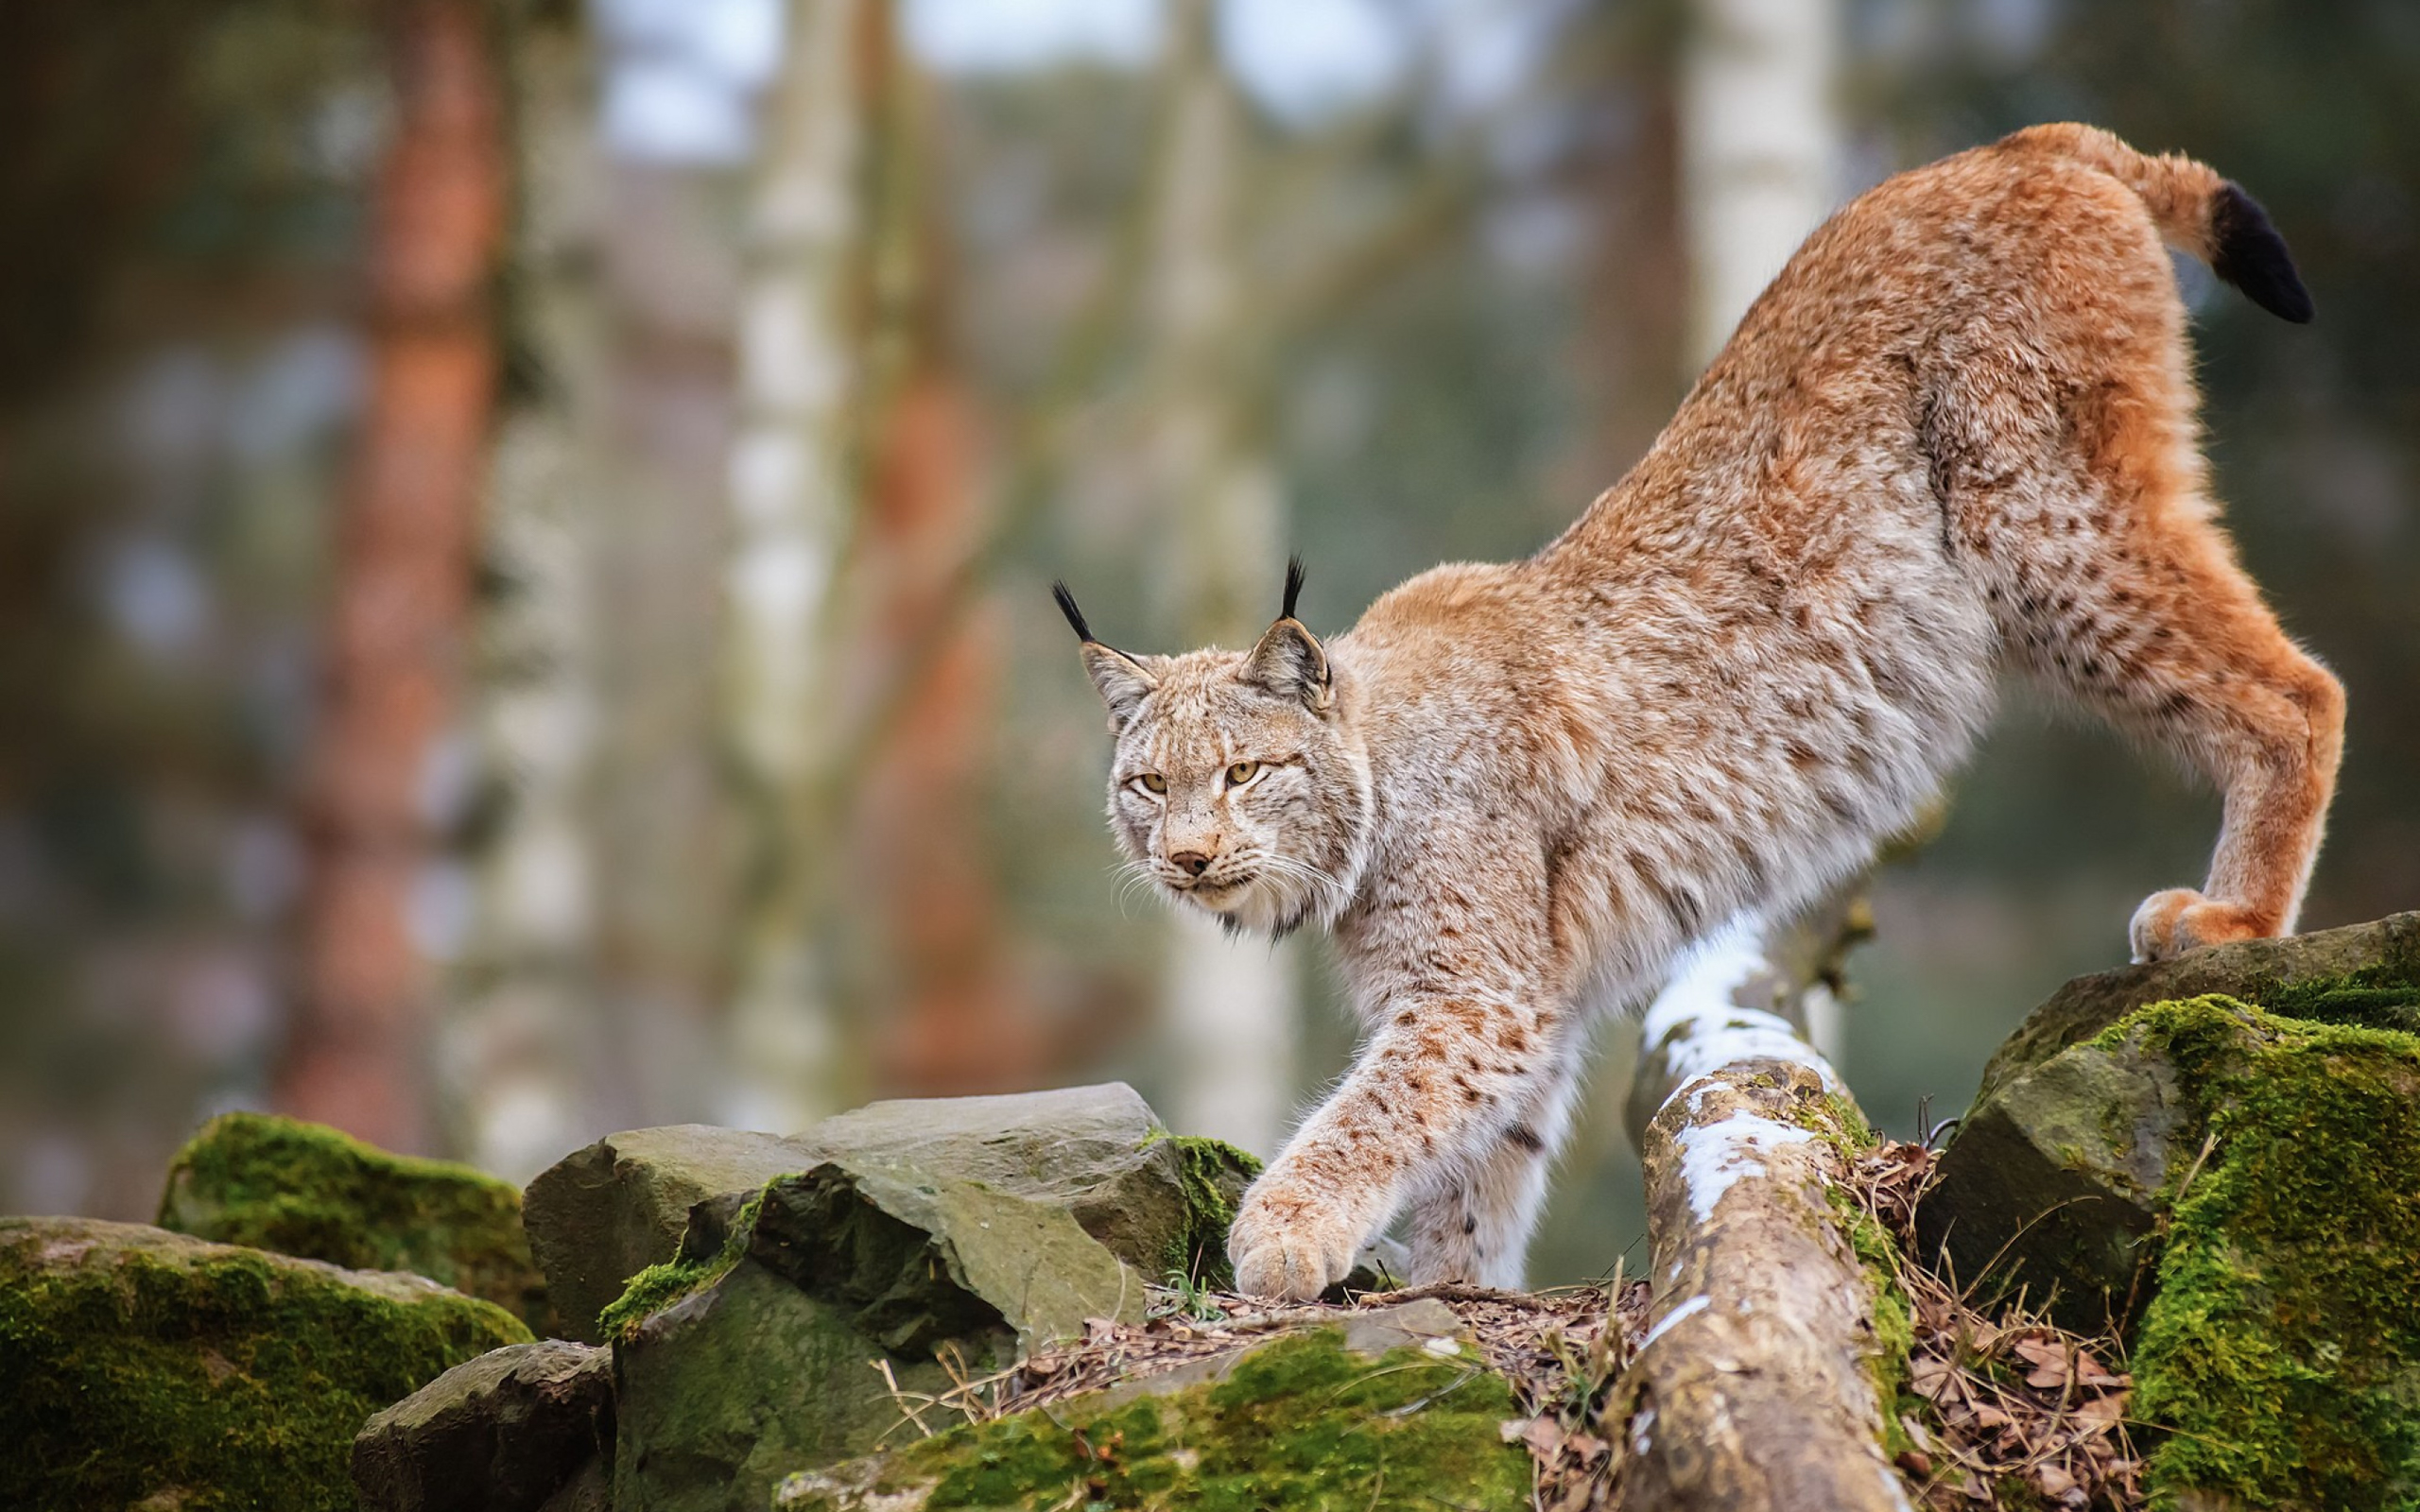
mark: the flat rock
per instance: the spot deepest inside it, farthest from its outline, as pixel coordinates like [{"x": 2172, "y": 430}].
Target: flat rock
[
  {"x": 508, "y": 1432},
  {"x": 318, "y": 1193},
  {"x": 1159, "y": 1202},
  {"x": 144, "y": 1367},
  {"x": 607, "y": 1211}
]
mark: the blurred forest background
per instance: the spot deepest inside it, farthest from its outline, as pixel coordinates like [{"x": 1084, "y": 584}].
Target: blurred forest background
[{"x": 523, "y": 527}]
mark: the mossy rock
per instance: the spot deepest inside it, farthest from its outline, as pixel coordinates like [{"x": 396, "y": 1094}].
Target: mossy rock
[
  {"x": 1306, "y": 1423},
  {"x": 2057, "y": 1182},
  {"x": 1159, "y": 1202},
  {"x": 519, "y": 1429},
  {"x": 314, "y": 1192},
  {"x": 754, "y": 1351},
  {"x": 2250, "y": 1183},
  {"x": 144, "y": 1368},
  {"x": 2361, "y": 974},
  {"x": 2281, "y": 1345}
]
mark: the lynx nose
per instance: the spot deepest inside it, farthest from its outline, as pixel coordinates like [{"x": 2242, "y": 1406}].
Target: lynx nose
[{"x": 1192, "y": 863}]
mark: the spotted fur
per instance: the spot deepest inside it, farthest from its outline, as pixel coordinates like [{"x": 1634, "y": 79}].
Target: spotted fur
[{"x": 1955, "y": 435}]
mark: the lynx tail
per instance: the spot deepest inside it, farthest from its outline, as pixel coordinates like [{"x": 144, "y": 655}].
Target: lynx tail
[{"x": 2196, "y": 211}]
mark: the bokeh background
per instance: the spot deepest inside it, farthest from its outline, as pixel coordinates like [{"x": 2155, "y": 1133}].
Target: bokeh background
[{"x": 524, "y": 526}]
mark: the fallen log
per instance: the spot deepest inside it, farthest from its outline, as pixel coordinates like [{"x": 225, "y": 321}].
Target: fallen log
[{"x": 1755, "y": 1389}]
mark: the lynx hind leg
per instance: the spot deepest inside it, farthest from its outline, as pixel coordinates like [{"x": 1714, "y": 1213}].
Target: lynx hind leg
[
  {"x": 2159, "y": 629},
  {"x": 1474, "y": 1226}
]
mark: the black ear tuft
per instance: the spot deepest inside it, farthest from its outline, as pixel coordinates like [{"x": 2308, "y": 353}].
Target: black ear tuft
[
  {"x": 1293, "y": 583},
  {"x": 1291, "y": 662},
  {"x": 1067, "y": 607},
  {"x": 2246, "y": 250}
]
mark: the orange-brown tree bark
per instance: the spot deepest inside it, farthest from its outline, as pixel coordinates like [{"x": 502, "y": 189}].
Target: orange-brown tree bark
[
  {"x": 955, "y": 1022},
  {"x": 356, "y": 1052},
  {"x": 953, "y": 1018}
]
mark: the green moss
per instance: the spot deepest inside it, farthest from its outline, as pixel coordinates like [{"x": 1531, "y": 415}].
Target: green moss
[
  {"x": 203, "y": 1377},
  {"x": 1208, "y": 1170},
  {"x": 2283, "y": 1343},
  {"x": 305, "y": 1189},
  {"x": 1301, "y": 1425},
  {"x": 2384, "y": 996},
  {"x": 1894, "y": 1319},
  {"x": 659, "y": 1286},
  {"x": 1850, "y": 1119}
]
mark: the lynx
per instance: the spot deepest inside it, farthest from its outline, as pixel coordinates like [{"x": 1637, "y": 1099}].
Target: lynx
[{"x": 1956, "y": 434}]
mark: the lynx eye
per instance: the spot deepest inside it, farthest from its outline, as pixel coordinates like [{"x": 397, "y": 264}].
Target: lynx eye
[
  {"x": 1242, "y": 772},
  {"x": 1154, "y": 784}
]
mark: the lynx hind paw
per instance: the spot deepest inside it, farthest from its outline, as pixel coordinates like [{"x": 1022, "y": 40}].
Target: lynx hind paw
[
  {"x": 2169, "y": 923},
  {"x": 1288, "y": 1250}
]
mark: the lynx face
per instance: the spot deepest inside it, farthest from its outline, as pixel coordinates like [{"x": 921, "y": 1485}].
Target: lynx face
[
  {"x": 1240, "y": 798},
  {"x": 1239, "y": 785}
]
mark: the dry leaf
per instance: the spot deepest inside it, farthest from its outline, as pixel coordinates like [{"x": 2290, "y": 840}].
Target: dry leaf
[{"x": 1545, "y": 1436}]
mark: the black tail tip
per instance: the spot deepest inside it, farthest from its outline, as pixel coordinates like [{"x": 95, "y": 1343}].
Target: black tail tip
[
  {"x": 1074, "y": 616},
  {"x": 2247, "y": 251}
]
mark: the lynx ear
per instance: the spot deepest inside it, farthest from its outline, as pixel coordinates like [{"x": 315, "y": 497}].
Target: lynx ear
[
  {"x": 1122, "y": 680},
  {"x": 1291, "y": 662}
]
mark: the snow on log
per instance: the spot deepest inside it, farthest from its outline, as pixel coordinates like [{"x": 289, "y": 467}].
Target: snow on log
[{"x": 1754, "y": 1388}]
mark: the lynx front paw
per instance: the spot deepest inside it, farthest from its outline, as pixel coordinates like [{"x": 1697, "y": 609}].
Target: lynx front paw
[
  {"x": 1290, "y": 1245},
  {"x": 2169, "y": 923}
]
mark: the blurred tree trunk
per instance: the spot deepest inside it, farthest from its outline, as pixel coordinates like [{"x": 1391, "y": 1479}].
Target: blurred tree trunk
[
  {"x": 1637, "y": 299},
  {"x": 1759, "y": 154},
  {"x": 520, "y": 1044},
  {"x": 656, "y": 531},
  {"x": 953, "y": 1019},
  {"x": 358, "y": 1051},
  {"x": 1760, "y": 148},
  {"x": 1228, "y": 1005},
  {"x": 793, "y": 498}
]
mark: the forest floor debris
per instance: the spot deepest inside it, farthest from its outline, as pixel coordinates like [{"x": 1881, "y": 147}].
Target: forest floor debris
[
  {"x": 2010, "y": 1411},
  {"x": 2003, "y": 1409}
]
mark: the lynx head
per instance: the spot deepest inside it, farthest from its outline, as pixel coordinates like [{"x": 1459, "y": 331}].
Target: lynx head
[{"x": 1238, "y": 784}]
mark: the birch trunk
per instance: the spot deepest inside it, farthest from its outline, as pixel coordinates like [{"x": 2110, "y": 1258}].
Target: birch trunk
[
  {"x": 1228, "y": 1004},
  {"x": 792, "y": 497},
  {"x": 1760, "y": 150},
  {"x": 520, "y": 1041},
  {"x": 358, "y": 1052},
  {"x": 1753, "y": 1391}
]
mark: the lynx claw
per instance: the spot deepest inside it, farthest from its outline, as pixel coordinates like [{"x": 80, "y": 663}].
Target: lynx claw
[
  {"x": 2169, "y": 923},
  {"x": 1288, "y": 1247}
]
